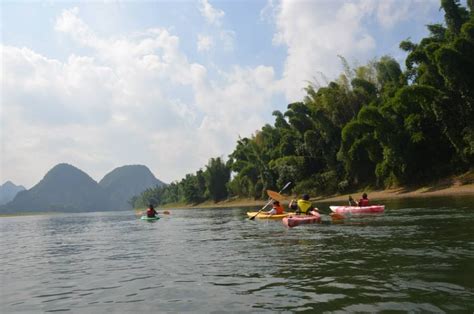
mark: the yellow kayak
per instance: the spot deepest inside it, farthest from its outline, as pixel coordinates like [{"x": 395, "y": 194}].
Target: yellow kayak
[{"x": 263, "y": 215}]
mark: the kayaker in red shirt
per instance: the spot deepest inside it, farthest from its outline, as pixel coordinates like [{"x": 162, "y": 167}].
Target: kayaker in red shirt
[
  {"x": 151, "y": 212},
  {"x": 364, "y": 201},
  {"x": 277, "y": 209}
]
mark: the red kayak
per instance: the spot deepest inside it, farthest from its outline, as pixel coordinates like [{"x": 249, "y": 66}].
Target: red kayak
[
  {"x": 357, "y": 209},
  {"x": 296, "y": 220}
]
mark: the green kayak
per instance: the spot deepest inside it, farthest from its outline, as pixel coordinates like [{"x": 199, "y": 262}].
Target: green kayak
[{"x": 150, "y": 218}]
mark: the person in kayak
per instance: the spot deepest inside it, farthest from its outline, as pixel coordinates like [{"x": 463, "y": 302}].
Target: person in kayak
[
  {"x": 151, "y": 212},
  {"x": 364, "y": 201},
  {"x": 303, "y": 206},
  {"x": 277, "y": 209}
]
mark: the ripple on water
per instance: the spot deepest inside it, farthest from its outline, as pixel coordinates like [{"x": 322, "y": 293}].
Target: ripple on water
[
  {"x": 391, "y": 306},
  {"x": 136, "y": 278}
]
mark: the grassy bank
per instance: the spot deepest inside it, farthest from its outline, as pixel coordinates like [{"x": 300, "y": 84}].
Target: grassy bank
[{"x": 456, "y": 186}]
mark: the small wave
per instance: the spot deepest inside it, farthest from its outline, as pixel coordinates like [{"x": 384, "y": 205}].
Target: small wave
[
  {"x": 57, "y": 299},
  {"x": 391, "y": 306},
  {"x": 131, "y": 301},
  {"x": 53, "y": 294},
  {"x": 148, "y": 288},
  {"x": 99, "y": 288},
  {"x": 136, "y": 278}
]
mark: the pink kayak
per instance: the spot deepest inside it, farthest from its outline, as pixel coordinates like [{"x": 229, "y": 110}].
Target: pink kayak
[
  {"x": 357, "y": 209},
  {"x": 296, "y": 220}
]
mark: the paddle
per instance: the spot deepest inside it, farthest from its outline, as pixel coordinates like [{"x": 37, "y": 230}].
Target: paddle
[
  {"x": 336, "y": 216},
  {"x": 276, "y": 196},
  {"x": 253, "y": 217}
]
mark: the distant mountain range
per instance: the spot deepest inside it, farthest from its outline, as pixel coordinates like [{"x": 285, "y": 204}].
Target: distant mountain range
[
  {"x": 66, "y": 188},
  {"x": 8, "y": 191}
]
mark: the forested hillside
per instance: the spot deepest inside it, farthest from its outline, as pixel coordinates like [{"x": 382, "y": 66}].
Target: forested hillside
[{"x": 376, "y": 125}]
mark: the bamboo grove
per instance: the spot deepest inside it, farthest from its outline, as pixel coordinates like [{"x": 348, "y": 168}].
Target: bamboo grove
[{"x": 375, "y": 125}]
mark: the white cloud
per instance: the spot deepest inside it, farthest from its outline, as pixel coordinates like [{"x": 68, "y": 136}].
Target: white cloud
[
  {"x": 204, "y": 43},
  {"x": 315, "y": 32},
  {"x": 391, "y": 12},
  {"x": 130, "y": 100},
  {"x": 213, "y": 16},
  {"x": 225, "y": 38}
]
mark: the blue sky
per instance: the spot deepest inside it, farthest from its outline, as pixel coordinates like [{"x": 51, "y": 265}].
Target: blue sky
[{"x": 170, "y": 84}]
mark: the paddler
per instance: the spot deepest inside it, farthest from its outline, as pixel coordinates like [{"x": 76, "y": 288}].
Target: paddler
[
  {"x": 151, "y": 212},
  {"x": 277, "y": 209},
  {"x": 303, "y": 206}
]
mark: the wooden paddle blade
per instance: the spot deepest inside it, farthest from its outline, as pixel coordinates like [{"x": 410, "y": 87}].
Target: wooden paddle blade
[
  {"x": 336, "y": 216},
  {"x": 275, "y": 195}
]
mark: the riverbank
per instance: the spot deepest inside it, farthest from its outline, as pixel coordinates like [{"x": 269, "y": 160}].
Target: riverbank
[{"x": 449, "y": 187}]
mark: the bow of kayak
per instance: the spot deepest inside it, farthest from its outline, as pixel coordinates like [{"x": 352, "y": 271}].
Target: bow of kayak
[
  {"x": 264, "y": 215},
  {"x": 296, "y": 220}
]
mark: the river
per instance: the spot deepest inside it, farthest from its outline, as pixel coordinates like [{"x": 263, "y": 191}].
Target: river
[{"x": 418, "y": 256}]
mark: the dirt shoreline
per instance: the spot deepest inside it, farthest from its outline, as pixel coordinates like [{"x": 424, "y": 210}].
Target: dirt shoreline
[{"x": 455, "y": 189}]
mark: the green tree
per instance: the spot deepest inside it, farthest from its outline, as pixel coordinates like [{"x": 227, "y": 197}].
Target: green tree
[
  {"x": 190, "y": 187},
  {"x": 217, "y": 176}
]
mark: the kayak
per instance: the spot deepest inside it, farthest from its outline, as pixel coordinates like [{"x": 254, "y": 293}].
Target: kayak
[
  {"x": 150, "y": 218},
  {"x": 263, "y": 215},
  {"x": 358, "y": 209},
  {"x": 296, "y": 220}
]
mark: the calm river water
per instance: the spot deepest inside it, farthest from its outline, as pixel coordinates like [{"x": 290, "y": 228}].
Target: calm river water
[{"x": 418, "y": 256}]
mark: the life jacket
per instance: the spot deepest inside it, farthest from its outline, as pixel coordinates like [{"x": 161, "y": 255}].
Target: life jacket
[
  {"x": 150, "y": 213},
  {"x": 304, "y": 206},
  {"x": 364, "y": 202},
  {"x": 279, "y": 210}
]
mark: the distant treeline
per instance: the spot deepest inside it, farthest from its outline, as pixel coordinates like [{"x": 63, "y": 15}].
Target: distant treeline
[{"x": 376, "y": 125}]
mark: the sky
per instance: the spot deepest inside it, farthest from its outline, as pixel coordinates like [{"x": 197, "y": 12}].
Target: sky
[{"x": 171, "y": 84}]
